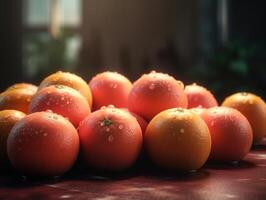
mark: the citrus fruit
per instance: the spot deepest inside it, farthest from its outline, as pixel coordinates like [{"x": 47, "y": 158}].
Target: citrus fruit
[
  {"x": 231, "y": 134},
  {"x": 110, "y": 88},
  {"x": 199, "y": 96},
  {"x": 43, "y": 144},
  {"x": 111, "y": 139},
  {"x": 253, "y": 108},
  {"x": 178, "y": 139},
  {"x": 155, "y": 92}
]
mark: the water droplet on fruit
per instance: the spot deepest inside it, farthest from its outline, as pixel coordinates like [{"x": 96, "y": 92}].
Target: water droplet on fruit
[
  {"x": 110, "y": 106},
  {"x": 67, "y": 102},
  {"x": 194, "y": 83},
  {"x": 49, "y": 111},
  {"x": 182, "y": 130},
  {"x": 55, "y": 117},
  {"x": 62, "y": 98},
  {"x": 48, "y": 103},
  {"x": 212, "y": 123},
  {"x": 244, "y": 93},
  {"x": 120, "y": 127},
  {"x": 102, "y": 123},
  {"x": 103, "y": 107},
  {"x": 110, "y": 138},
  {"x": 45, "y": 134},
  {"x": 152, "y": 86},
  {"x": 169, "y": 88},
  {"x": 107, "y": 129}
]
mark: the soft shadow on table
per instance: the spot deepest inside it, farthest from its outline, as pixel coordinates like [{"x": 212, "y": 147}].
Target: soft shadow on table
[
  {"x": 140, "y": 169},
  {"x": 259, "y": 147},
  {"x": 231, "y": 166}
]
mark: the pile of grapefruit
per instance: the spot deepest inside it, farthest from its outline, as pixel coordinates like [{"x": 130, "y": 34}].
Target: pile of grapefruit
[{"x": 109, "y": 121}]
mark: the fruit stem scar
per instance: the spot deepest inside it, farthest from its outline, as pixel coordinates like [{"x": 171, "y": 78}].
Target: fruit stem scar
[{"x": 106, "y": 122}]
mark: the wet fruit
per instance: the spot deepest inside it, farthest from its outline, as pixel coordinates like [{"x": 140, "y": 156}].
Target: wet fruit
[
  {"x": 62, "y": 100},
  {"x": 70, "y": 80},
  {"x": 111, "y": 139},
  {"x": 110, "y": 88},
  {"x": 155, "y": 92},
  {"x": 199, "y": 96},
  {"x": 18, "y": 99},
  {"x": 178, "y": 139},
  {"x": 253, "y": 108},
  {"x": 8, "y": 118},
  {"x": 43, "y": 144},
  {"x": 231, "y": 134},
  {"x": 27, "y": 86}
]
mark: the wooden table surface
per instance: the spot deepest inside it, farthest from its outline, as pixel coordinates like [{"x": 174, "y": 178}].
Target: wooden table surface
[{"x": 244, "y": 181}]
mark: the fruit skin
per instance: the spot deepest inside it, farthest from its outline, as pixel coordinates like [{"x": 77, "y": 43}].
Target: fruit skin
[
  {"x": 70, "y": 80},
  {"x": 199, "y": 96},
  {"x": 43, "y": 144},
  {"x": 17, "y": 99},
  {"x": 110, "y": 88},
  {"x": 253, "y": 108},
  {"x": 27, "y": 86},
  {"x": 62, "y": 100},
  {"x": 155, "y": 92},
  {"x": 178, "y": 139},
  {"x": 111, "y": 139},
  {"x": 142, "y": 122},
  {"x": 8, "y": 118},
  {"x": 231, "y": 134}
]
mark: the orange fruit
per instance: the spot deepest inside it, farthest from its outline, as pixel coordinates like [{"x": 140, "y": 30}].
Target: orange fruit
[
  {"x": 199, "y": 96},
  {"x": 111, "y": 139},
  {"x": 8, "y": 118},
  {"x": 17, "y": 99},
  {"x": 62, "y": 100},
  {"x": 110, "y": 88},
  {"x": 253, "y": 108},
  {"x": 70, "y": 80},
  {"x": 43, "y": 144},
  {"x": 178, "y": 139},
  {"x": 27, "y": 86},
  {"x": 155, "y": 92},
  {"x": 231, "y": 134}
]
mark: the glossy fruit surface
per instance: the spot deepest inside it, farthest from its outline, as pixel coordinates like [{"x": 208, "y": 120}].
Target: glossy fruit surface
[
  {"x": 199, "y": 96},
  {"x": 70, "y": 80},
  {"x": 231, "y": 134},
  {"x": 62, "y": 100},
  {"x": 155, "y": 92},
  {"x": 43, "y": 144},
  {"x": 178, "y": 139},
  {"x": 110, "y": 88},
  {"x": 253, "y": 108},
  {"x": 27, "y": 86},
  {"x": 111, "y": 139},
  {"x": 18, "y": 99},
  {"x": 8, "y": 118}
]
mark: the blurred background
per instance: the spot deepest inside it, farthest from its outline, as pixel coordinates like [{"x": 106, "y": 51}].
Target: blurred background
[{"x": 220, "y": 44}]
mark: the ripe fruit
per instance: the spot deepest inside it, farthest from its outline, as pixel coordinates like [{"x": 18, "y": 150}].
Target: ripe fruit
[
  {"x": 62, "y": 100},
  {"x": 70, "y": 80},
  {"x": 43, "y": 144},
  {"x": 253, "y": 108},
  {"x": 27, "y": 86},
  {"x": 110, "y": 88},
  {"x": 111, "y": 139},
  {"x": 17, "y": 99},
  {"x": 231, "y": 134},
  {"x": 155, "y": 92},
  {"x": 8, "y": 118},
  {"x": 142, "y": 122},
  {"x": 178, "y": 139},
  {"x": 199, "y": 96}
]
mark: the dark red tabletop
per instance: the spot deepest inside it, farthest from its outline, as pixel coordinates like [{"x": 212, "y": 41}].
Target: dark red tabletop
[{"x": 244, "y": 181}]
